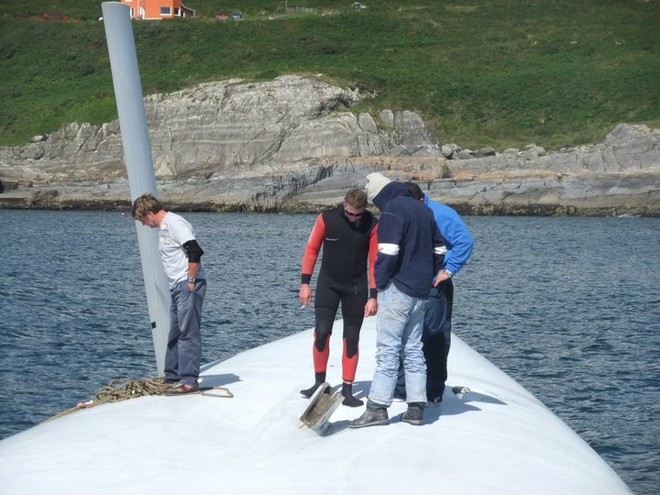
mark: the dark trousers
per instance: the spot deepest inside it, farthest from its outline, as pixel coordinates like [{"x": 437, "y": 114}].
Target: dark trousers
[
  {"x": 352, "y": 297},
  {"x": 437, "y": 337}
]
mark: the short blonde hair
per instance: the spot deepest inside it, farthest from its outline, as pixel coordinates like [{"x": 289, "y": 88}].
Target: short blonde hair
[{"x": 356, "y": 198}]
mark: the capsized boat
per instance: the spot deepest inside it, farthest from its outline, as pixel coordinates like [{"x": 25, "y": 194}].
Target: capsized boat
[{"x": 489, "y": 436}]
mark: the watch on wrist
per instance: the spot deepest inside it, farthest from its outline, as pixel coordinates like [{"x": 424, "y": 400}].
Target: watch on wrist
[
  {"x": 447, "y": 272},
  {"x": 192, "y": 280}
]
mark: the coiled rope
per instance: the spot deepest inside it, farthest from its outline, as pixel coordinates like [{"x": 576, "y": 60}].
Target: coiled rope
[{"x": 116, "y": 391}]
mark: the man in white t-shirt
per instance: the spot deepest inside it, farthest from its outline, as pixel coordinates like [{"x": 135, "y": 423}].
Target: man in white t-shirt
[{"x": 182, "y": 260}]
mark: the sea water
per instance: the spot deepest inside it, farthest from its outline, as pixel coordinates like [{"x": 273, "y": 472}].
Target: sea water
[{"x": 568, "y": 307}]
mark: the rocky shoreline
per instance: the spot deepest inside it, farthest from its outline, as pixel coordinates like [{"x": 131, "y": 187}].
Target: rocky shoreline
[{"x": 295, "y": 145}]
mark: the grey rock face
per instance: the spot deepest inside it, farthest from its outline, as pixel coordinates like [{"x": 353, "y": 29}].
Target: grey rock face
[{"x": 295, "y": 143}]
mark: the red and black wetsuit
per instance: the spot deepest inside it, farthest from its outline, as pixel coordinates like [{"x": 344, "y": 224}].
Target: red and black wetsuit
[{"x": 344, "y": 278}]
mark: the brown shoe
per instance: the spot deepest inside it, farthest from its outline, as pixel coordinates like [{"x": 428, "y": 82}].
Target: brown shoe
[
  {"x": 166, "y": 384},
  {"x": 183, "y": 389}
]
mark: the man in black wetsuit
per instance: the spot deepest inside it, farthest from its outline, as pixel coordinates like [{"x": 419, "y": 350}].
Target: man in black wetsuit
[{"x": 347, "y": 234}]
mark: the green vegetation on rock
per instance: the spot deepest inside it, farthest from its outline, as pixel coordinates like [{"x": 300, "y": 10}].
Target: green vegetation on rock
[{"x": 482, "y": 73}]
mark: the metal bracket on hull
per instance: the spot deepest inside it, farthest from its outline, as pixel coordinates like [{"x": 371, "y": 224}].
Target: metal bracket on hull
[{"x": 321, "y": 406}]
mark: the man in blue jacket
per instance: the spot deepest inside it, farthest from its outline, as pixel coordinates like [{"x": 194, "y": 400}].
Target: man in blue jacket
[
  {"x": 410, "y": 257},
  {"x": 437, "y": 320}
]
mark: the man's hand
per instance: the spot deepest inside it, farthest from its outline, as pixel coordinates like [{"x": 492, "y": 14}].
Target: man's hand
[
  {"x": 305, "y": 294},
  {"x": 371, "y": 308},
  {"x": 440, "y": 277}
]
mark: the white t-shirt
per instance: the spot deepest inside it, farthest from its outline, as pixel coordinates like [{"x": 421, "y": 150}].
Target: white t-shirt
[{"x": 174, "y": 231}]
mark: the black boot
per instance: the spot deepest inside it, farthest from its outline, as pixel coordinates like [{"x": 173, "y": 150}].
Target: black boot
[
  {"x": 415, "y": 414},
  {"x": 375, "y": 414},
  {"x": 319, "y": 378},
  {"x": 347, "y": 392}
]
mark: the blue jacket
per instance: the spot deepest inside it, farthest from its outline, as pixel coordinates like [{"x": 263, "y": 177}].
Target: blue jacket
[
  {"x": 410, "y": 246},
  {"x": 455, "y": 233}
]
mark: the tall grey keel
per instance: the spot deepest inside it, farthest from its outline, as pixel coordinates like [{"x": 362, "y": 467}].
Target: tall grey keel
[{"x": 139, "y": 163}]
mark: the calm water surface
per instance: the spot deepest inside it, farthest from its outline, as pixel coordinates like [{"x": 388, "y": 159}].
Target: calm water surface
[{"x": 569, "y": 307}]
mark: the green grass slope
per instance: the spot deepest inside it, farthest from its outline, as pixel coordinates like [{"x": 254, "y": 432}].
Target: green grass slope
[{"x": 481, "y": 72}]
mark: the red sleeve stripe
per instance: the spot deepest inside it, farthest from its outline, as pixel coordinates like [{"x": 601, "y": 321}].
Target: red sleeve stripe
[{"x": 312, "y": 249}]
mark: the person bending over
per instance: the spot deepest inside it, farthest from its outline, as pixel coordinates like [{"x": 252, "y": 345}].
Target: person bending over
[
  {"x": 436, "y": 337},
  {"x": 410, "y": 256},
  {"x": 181, "y": 256}
]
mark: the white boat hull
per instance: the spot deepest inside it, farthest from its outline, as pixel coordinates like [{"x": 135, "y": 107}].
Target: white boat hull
[{"x": 496, "y": 439}]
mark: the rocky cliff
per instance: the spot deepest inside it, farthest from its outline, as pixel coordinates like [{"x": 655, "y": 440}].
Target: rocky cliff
[{"x": 297, "y": 144}]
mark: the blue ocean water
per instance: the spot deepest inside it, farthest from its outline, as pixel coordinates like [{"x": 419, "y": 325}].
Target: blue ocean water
[{"x": 569, "y": 307}]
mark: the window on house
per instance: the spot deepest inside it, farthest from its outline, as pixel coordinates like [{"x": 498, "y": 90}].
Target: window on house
[
  {"x": 176, "y": 12},
  {"x": 165, "y": 11}
]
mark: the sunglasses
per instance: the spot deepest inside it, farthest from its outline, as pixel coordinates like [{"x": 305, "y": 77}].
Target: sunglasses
[{"x": 353, "y": 215}]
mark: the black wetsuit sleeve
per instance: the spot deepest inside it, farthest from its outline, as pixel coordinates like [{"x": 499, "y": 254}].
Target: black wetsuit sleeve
[{"x": 193, "y": 251}]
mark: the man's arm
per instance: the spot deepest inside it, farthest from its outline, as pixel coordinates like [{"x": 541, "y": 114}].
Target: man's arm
[
  {"x": 390, "y": 231},
  {"x": 373, "y": 255},
  {"x": 439, "y": 252},
  {"x": 194, "y": 253},
  {"x": 371, "y": 307},
  {"x": 310, "y": 256},
  {"x": 456, "y": 234}
]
